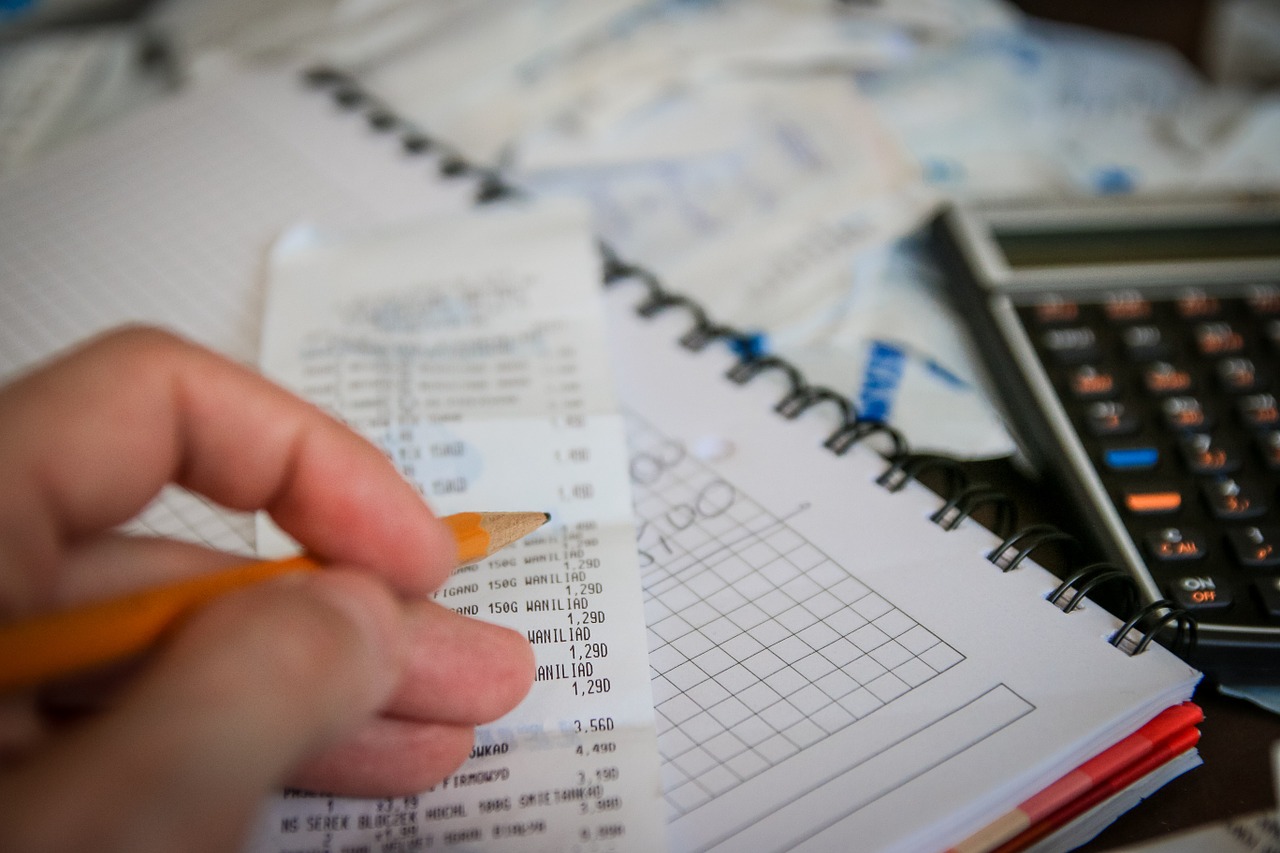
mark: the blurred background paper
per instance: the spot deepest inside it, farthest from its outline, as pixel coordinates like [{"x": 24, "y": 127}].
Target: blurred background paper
[
  {"x": 56, "y": 87},
  {"x": 773, "y": 158}
]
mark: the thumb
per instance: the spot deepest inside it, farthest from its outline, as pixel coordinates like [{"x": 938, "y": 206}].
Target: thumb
[{"x": 250, "y": 687}]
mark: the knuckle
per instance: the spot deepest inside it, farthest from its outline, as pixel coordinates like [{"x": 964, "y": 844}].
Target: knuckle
[{"x": 137, "y": 340}]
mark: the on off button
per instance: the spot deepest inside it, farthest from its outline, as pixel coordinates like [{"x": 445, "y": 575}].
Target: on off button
[{"x": 1200, "y": 593}]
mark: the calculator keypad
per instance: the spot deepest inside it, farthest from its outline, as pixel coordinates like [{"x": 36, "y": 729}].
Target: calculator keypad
[{"x": 1176, "y": 403}]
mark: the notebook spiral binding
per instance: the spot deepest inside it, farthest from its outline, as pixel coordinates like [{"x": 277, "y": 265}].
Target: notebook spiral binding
[{"x": 961, "y": 498}]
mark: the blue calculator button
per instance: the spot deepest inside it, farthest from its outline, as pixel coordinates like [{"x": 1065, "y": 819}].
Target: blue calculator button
[{"x": 1131, "y": 458}]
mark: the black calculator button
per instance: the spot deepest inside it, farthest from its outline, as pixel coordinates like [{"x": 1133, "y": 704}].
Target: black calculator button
[
  {"x": 1090, "y": 383},
  {"x": 1127, "y": 306},
  {"x": 1202, "y": 454},
  {"x": 1196, "y": 304},
  {"x": 1110, "y": 419},
  {"x": 1053, "y": 311},
  {"x": 1259, "y": 411},
  {"x": 1152, "y": 501},
  {"x": 1201, "y": 592},
  {"x": 1230, "y": 500},
  {"x": 1264, "y": 299},
  {"x": 1142, "y": 458},
  {"x": 1144, "y": 343},
  {"x": 1161, "y": 378},
  {"x": 1238, "y": 375},
  {"x": 1185, "y": 414},
  {"x": 1217, "y": 339},
  {"x": 1269, "y": 446},
  {"x": 1071, "y": 345},
  {"x": 1175, "y": 545},
  {"x": 1255, "y": 547},
  {"x": 1269, "y": 592}
]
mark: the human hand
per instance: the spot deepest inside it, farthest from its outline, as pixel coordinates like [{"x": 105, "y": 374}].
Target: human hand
[{"x": 348, "y": 680}]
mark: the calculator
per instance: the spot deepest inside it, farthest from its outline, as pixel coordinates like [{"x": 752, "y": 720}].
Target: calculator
[{"x": 1134, "y": 349}]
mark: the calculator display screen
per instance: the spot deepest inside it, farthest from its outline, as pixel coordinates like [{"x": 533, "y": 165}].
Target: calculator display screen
[{"x": 1027, "y": 247}]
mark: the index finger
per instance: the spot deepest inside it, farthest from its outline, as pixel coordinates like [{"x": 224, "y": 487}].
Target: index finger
[{"x": 86, "y": 442}]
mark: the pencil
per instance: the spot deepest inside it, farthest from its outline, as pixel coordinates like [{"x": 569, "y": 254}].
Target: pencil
[{"x": 42, "y": 648}]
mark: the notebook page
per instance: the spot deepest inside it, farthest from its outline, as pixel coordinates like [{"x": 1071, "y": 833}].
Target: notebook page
[
  {"x": 166, "y": 217},
  {"x": 471, "y": 349},
  {"x": 827, "y": 663}
]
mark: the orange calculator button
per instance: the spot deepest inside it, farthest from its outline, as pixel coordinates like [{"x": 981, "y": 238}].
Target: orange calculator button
[{"x": 1152, "y": 503}]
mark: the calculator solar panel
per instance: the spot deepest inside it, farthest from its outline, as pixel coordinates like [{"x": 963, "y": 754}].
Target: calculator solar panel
[{"x": 1136, "y": 354}]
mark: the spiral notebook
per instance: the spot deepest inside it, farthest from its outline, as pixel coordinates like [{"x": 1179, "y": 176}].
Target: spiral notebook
[
  {"x": 840, "y": 658},
  {"x": 832, "y": 664}
]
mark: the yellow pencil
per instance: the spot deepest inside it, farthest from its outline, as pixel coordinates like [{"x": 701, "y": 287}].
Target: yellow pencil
[{"x": 36, "y": 650}]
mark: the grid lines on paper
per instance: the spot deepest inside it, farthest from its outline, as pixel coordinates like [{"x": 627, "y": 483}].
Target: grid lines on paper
[
  {"x": 167, "y": 224},
  {"x": 172, "y": 236},
  {"x": 760, "y": 645},
  {"x": 179, "y": 514}
]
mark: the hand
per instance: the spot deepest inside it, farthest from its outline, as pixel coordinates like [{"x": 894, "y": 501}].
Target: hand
[{"x": 347, "y": 680}]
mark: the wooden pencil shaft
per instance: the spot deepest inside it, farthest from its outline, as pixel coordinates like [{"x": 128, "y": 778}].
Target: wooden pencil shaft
[{"x": 45, "y": 647}]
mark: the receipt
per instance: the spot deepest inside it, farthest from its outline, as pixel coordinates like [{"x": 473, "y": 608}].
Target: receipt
[
  {"x": 914, "y": 365},
  {"x": 471, "y": 350},
  {"x": 858, "y": 307}
]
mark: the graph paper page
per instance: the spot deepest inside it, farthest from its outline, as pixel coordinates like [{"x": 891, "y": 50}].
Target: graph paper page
[{"x": 830, "y": 669}]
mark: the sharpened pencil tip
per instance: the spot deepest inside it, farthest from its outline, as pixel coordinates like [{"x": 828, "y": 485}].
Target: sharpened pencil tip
[{"x": 546, "y": 516}]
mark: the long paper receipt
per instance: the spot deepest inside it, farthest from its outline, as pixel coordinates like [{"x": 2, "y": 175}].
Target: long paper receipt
[{"x": 472, "y": 351}]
